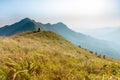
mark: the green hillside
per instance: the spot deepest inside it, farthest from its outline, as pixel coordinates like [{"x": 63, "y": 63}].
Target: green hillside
[{"x": 47, "y": 56}]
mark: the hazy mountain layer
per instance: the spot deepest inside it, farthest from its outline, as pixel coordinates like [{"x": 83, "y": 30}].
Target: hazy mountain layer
[
  {"x": 96, "y": 45},
  {"x": 109, "y": 34}
]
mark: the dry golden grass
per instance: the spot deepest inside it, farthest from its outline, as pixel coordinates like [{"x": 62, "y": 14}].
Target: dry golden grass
[{"x": 47, "y": 56}]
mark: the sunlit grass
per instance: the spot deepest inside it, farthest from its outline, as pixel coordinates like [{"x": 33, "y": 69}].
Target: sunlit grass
[{"x": 47, "y": 56}]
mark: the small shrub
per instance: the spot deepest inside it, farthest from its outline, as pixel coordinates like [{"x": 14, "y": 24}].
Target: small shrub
[
  {"x": 91, "y": 52},
  {"x": 104, "y": 56},
  {"x": 99, "y": 55},
  {"x": 96, "y": 53},
  {"x": 79, "y": 46},
  {"x": 34, "y": 31}
]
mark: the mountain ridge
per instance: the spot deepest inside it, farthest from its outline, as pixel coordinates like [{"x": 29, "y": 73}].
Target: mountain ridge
[{"x": 60, "y": 28}]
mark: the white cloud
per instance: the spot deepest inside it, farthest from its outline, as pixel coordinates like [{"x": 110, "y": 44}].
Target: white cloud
[{"x": 78, "y": 14}]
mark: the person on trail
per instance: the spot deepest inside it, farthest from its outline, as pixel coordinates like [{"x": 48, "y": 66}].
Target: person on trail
[{"x": 38, "y": 29}]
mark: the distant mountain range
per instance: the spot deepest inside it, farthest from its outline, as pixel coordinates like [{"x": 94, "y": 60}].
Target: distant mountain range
[
  {"x": 93, "y": 44},
  {"x": 109, "y": 34}
]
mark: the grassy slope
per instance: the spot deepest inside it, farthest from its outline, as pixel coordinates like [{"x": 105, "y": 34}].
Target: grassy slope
[{"x": 47, "y": 56}]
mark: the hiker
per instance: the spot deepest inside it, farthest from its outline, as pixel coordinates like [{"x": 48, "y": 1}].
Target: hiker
[{"x": 38, "y": 29}]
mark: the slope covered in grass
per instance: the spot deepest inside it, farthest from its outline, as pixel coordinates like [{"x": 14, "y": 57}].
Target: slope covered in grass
[
  {"x": 103, "y": 47},
  {"x": 47, "y": 56}
]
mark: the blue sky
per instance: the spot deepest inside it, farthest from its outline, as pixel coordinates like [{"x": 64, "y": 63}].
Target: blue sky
[{"x": 77, "y": 14}]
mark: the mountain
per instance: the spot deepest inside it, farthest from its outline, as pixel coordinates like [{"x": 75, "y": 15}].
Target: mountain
[
  {"x": 95, "y": 45},
  {"x": 46, "y": 55},
  {"x": 109, "y": 33},
  {"x": 21, "y": 26}
]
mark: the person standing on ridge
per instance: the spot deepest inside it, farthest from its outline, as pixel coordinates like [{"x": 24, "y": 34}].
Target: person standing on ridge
[{"x": 39, "y": 30}]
